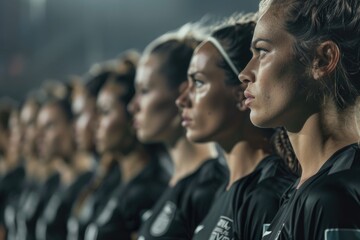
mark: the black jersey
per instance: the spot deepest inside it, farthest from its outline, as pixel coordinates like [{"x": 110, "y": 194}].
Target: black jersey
[
  {"x": 122, "y": 214},
  {"x": 10, "y": 190},
  {"x": 34, "y": 206},
  {"x": 326, "y": 206},
  {"x": 182, "y": 207},
  {"x": 28, "y": 200},
  {"x": 52, "y": 224},
  {"x": 80, "y": 218},
  {"x": 239, "y": 211}
]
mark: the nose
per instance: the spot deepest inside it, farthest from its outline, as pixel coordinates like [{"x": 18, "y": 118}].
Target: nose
[
  {"x": 183, "y": 101},
  {"x": 247, "y": 75},
  {"x": 100, "y": 125},
  {"x": 133, "y": 105}
]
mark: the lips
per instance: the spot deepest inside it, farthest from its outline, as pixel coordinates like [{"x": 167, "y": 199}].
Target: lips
[
  {"x": 249, "y": 98},
  {"x": 185, "y": 121},
  {"x": 136, "y": 123}
]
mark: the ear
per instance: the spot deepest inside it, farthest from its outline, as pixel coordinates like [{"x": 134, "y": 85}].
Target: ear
[
  {"x": 238, "y": 93},
  {"x": 327, "y": 57}
]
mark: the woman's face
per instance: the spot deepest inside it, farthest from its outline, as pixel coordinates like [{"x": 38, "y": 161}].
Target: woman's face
[
  {"x": 114, "y": 130},
  {"x": 54, "y": 133},
  {"x": 16, "y": 134},
  {"x": 85, "y": 122},
  {"x": 209, "y": 105},
  {"x": 28, "y": 121},
  {"x": 156, "y": 117},
  {"x": 275, "y": 80}
]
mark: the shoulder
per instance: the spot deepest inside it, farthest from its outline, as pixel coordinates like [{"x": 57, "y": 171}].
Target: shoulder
[
  {"x": 211, "y": 171},
  {"x": 207, "y": 180},
  {"x": 275, "y": 167},
  {"x": 336, "y": 190},
  {"x": 340, "y": 186},
  {"x": 265, "y": 197},
  {"x": 333, "y": 202}
]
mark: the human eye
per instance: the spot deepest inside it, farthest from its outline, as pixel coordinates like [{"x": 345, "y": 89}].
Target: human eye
[
  {"x": 198, "y": 83},
  {"x": 103, "y": 111},
  {"x": 258, "y": 52},
  {"x": 195, "y": 82},
  {"x": 142, "y": 90},
  {"x": 262, "y": 52}
]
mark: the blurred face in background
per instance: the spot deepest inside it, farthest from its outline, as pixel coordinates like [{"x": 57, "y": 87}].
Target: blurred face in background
[
  {"x": 4, "y": 131},
  {"x": 84, "y": 108},
  {"x": 16, "y": 135},
  {"x": 55, "y": 138},
  {"x": 156, "y": 117},
  {"x": 114, "y": 132},
  {"x": 28, "y": 117}
]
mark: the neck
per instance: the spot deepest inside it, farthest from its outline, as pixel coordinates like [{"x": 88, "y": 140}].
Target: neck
[
  {"x": 187, "y": 157},
  {"x": 245, "y": 149},
  {"x": 132, "y": 163},
  {"x": 322, "y": 134},
  {"x": 31, "y": 166},
  {"x": 60, "y": 166},
  {"x": 243, "y": 158},
  {"x": 83, "y": 161}
]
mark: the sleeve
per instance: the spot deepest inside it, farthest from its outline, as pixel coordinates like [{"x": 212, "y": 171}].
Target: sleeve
[
  {"x": 108, "y": 224},
  {"x": 256, "y": 213},
  {"x": 125, "y": 219},
  {"x": 201, "y": 201},
  {"x": 330, "y": 213},
  {"x": 140, "y": 200}
]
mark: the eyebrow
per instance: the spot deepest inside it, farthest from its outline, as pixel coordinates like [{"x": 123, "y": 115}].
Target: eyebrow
[
  {"x": 259, "y": 40},
  {"x": 192, "y": 75}
]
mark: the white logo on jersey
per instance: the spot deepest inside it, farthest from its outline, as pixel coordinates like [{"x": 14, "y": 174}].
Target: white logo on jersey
[
  {"x": 223, "y": 229},
  {"x": 265, "y": 229},
  {"x": 146, "y": 215},
  {"x": 199, "y": 228},
  {"x": 163, "y": 220},
  {"x": 266, "y": 233}
]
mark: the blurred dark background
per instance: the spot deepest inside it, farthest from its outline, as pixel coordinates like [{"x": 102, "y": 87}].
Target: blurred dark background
[{"x": 53, "y": 39}]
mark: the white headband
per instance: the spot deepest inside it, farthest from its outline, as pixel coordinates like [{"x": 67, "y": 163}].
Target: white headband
[{"x": 216, "y": 43}]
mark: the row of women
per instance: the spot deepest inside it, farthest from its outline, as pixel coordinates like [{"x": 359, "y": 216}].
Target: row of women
[{"x": 245, "y": 129}]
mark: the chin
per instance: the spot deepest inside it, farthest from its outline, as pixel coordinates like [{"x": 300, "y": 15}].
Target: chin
[
  {"x": 262, "y": 121},
  {"x": 144, "y": 138},
  {"x": 196, "y": 138}
]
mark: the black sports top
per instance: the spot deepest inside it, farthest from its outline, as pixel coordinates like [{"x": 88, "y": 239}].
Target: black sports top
[
  {"x": 182, "y": 207},
  {"x": 121, "y": 216},
  {"x": 241, "y": 211},
  {"x": 326, "y": 206},
  {"x": 52, "y": 224}
]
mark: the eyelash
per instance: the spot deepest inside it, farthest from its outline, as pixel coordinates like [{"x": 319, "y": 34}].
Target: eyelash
[
  {"x": 198, "y": 83},
  {"x": 142, "y": 91},
  {"x": 259, "y": 51},
  {"x": 104, "y": 112}
]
